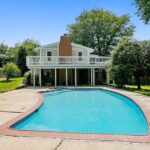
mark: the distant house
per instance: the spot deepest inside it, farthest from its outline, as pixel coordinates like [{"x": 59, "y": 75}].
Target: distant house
[{"x": 67, "y": 64}]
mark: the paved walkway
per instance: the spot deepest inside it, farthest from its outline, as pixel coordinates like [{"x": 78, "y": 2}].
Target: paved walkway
[
  {"x": 28, "y": 143},
  {"x": 15, "y": 102}
]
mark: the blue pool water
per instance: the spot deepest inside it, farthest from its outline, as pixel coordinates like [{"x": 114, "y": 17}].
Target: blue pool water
[{"x": 87, "y": 111}]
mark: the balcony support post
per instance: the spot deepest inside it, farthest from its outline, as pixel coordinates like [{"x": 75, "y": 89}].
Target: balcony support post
[
  {"x": 108, "y": 78},
  {"x": 55, "y": 77},
  {"x": 40, "y": 82},
  {"x": 34, "y": 77},
  {"x": 75, "y": 72},
  {"x": 91, "y": 77},
  {"x": 102, "y": 76},
  {"x": 66, "y": 77},
  {"x": 89, "y": 81}
]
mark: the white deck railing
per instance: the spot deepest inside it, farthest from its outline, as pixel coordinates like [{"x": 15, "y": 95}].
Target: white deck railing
[{"x": 66, "y": 60}]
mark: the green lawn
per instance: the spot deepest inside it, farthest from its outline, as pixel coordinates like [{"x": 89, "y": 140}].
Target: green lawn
[
  {"x": 12, "y": 84},
  {"x": 145, "y": 89}
]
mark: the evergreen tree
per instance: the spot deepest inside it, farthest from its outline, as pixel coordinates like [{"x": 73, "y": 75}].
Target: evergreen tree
[{"x": 21, "y": 60}]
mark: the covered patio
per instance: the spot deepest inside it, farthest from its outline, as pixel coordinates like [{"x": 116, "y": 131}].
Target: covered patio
[{"x": 69, "y": 77}]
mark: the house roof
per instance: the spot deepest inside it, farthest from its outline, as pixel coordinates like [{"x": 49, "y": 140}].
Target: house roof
[{"x": 57, "y": 43}]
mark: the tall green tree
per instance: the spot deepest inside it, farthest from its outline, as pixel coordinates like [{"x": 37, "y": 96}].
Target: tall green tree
[
  {"x": 21, "y": 60},
  {"x": 100, "y": 30},
  {"x": 143, "y": 10},
  {"x": 128, "y": 59}
]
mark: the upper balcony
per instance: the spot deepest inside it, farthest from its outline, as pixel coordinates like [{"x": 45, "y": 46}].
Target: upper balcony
[{"x": 66, "y": 61}]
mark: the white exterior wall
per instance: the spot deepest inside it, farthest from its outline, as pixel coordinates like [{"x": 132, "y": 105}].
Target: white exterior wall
[
  {"x": 55, "y": 50},
  {"x": 76, "y": 50}
]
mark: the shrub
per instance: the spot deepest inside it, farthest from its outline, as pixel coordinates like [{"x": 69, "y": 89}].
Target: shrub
[
  {"x": 27, "y": 77},
  {"x": 11, "y": 70}
]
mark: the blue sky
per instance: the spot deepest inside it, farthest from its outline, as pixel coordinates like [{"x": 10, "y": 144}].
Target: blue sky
[{"x": 46, "y": 20}]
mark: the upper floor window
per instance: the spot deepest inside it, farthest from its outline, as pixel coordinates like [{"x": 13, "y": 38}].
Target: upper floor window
[
  {"x": 79, "y": 56},
  {"x": 49, "y": 54}
]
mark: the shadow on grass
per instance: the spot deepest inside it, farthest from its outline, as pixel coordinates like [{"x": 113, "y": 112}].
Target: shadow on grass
[
  {"x": 142, "y": 91},
  {"x": 5, "y": 81}
]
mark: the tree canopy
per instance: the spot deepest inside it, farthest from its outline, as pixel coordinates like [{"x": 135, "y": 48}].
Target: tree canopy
[
  {"x": 100, "y": 30},
  {"x": 130, "y": 59},
  {"x": 143, "y": 10},
  {"x": 29, "y": 46}
]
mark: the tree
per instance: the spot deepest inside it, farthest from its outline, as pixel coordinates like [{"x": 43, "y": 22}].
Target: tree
[
  {"x": 18, "y": 53},
  {"x": 128, "y": 60},
  {"x": 3, "y": 54},
  {"x": 100, "y": 30},
  {"x": 7, "y": 54},
  {"x": 143, "y": 10},
  {"x": 29, "y": 46},
  {"x": 10, "y": 70},
  {"x": 21, "y": 60},
  {"x": 145, "y": 45},
  {"x": 12, "y": 54},
  {"x": 119, "y": 73}
]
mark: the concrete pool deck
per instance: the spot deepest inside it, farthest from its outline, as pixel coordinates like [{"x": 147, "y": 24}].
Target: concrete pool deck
[{"x": 14, "y": 103}]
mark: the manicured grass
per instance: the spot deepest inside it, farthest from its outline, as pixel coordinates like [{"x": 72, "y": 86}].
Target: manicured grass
[
  {"x": 145, "y": 89},
  {"x": 12, "y": 84}
]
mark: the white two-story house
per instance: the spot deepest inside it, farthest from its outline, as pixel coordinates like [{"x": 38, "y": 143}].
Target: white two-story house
[{"x": 67, "y": 64}]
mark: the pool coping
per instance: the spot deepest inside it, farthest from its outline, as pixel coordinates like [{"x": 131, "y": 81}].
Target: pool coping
[{"x": 6, "y": 129}]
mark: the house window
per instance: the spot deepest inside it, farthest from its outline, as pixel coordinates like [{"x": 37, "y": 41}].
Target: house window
[
  {"x": 79, "y": 56},
  {"x": 49, "y": 54}
]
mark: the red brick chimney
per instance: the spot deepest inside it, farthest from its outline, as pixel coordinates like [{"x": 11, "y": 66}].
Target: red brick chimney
[{"x": 65, "y": 47}]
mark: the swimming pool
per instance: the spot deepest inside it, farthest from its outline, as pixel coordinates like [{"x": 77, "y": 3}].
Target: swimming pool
[{"x": 86, "y": 111}]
